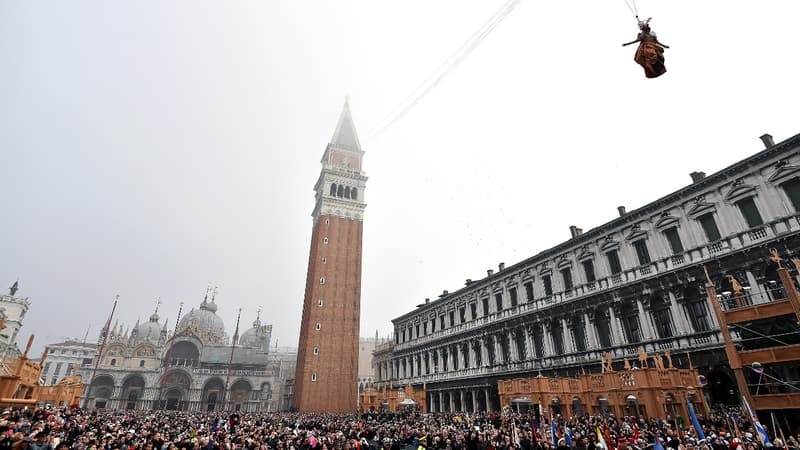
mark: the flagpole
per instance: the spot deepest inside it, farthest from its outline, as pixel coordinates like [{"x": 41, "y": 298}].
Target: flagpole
[
  {"x": 106, "y": 331},
  {"x": 168, "y": 356},
  {"x": 233, "y": 347}
]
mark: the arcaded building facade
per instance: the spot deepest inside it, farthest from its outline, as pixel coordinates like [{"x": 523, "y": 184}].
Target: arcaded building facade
[
  {"x": 326, "y": 379},
  {"x": 633, "y": 284},
  {"x": 199, "y": 368}
]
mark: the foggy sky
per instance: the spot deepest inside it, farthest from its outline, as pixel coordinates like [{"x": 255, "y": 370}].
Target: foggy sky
[{"x": 151, "y": 148}]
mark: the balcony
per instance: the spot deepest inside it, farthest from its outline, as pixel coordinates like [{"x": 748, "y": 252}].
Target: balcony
[
  {"x": 694, "y": 255},
  {"x": 575, "y": 359}
]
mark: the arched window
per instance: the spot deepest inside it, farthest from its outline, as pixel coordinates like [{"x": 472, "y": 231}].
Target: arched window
[
  {"x": 333, "y": 189},
  {"x": 354, "y": 193},
  {"x": 113, "y": 361},
  {"x": 340, "y": 191},
  {"x": 347, "y": 192},
  {"x": 141, "y": 363}
]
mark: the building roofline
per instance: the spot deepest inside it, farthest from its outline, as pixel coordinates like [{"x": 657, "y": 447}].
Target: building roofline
[{"x": 600, "y": 230}]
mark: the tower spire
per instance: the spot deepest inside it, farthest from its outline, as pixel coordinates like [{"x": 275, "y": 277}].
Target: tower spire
[{"x": 344, "y": 135}]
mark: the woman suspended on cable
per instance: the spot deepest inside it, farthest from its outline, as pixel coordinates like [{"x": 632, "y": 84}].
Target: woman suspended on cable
[{"x": 650, "y": 54}]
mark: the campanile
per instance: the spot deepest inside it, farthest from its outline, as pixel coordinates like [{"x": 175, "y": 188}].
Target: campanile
[{"x": 326, "y": 377}]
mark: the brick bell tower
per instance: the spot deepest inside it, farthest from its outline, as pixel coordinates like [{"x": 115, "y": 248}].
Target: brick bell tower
[{"x": 326, "y": 377}]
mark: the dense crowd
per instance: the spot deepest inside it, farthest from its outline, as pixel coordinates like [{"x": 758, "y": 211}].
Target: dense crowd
[{"x": 67, "y": 429}]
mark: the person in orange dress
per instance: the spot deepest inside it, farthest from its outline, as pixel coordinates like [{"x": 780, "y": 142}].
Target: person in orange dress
[{"x": 650, "y": 54}]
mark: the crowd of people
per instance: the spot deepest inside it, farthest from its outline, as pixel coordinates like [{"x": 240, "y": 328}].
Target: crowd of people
[{"x": 76, "y": 429}]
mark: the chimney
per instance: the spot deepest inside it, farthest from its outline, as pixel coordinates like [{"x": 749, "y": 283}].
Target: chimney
[
  {"x": 575, "y": 231},
  {"x": 697, "y": 176},
  {"x": 501, "y": 266},
  {"x": 489, "y": 272},
  {"x": 445, "y": 292},
  {"x": 427, "y": 300},
  {"x": 468, "y": 282},
  {"x": 767, "y": 140},
  {"x": 621, "y": 210}
]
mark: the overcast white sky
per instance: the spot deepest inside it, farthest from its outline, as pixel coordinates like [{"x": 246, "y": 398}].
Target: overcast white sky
[{"x": 149, "y": 148}]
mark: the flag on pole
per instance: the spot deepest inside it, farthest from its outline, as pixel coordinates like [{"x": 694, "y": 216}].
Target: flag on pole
[
  {"x": 601, "y": 442},
  {"x": 553, "y": 431},
  {"x": 777, "y": 428},
  {"x": 695, "y": 422},
  {"x": 635, "y": 432},
  {"x": 609, "y": 441},
  {"x": 568, "y": 436},
  {"x": 762, "y": 433}
]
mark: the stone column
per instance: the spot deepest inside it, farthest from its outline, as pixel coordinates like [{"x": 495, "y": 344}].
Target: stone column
[
  {"x": 474, "y": 401},
  {"x": 438, "y": 367},
  {"x": 498, "y": 350},
  {"x": 645, "y": 320},
  {"x": 681, "y": 324},
  {"x": 116, "y": 398},
  {"x": 462, "y": 398},
  {"x": 484, "y": 351},
  {"x": 591, "y": 332},
  {"x": 547, "y": 342},
  {"x": 512, "y": 346},
  {"x": 616, "y": 333},
  {"x": 452, "y": 401},
  {"x": 569, "y": 345},
  {"x": 473, "y": 360},
  {"x": 529, "y": 350},
  {"x": 488, "y": 400}
]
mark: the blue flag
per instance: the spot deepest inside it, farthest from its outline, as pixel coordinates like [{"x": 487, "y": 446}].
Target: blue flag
[
  {"x": 693, "y": 416},
  {"x": 568, "y": 436},
  {"x": 657, "y": 444},
  {"x": 553, "y": 431}
]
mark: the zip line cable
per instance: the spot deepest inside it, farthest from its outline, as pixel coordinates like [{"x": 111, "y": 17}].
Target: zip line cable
[
  {"x": 444, "y": 69},
  {"x": 446, "y": 62},
  {"x": 634, "y": 9}
]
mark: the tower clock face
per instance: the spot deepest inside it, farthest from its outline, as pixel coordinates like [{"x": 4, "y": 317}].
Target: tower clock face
[{"x": 345, "y": 162}]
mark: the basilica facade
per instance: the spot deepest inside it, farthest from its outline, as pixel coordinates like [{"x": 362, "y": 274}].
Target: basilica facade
[{"x": 197, "y": 369}]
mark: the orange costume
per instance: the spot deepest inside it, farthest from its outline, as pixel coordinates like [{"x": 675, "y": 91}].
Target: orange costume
[{"x": 650, "y": 54}]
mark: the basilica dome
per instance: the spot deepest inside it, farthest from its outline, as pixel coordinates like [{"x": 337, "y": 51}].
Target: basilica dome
[
  {"x": 204, "y": 323},
  {"x": 251, "y": 338},
  {"x": 149, "y": 330}
]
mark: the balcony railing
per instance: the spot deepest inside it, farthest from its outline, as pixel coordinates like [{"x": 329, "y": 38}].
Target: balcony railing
[
  {"x": 531, "y": 363},
  {"x": 749, "y": 296},
  {"x": 692, "y": 255},
  {"x": 757, "y": 234},
  {"x": 714, "y": 248}
]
